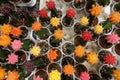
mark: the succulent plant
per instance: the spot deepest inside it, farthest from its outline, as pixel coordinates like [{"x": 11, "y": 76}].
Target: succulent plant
[
  {"x": 29, "y": 67},
  {"x": 22, "y": 12},
  {"x": 5, "y": 9},
  {"x": 103, "y": 2}
]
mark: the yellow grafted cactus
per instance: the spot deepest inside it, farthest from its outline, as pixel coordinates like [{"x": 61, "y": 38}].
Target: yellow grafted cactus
[
  {"x": 5, "y": 40},
  {"x": 35, "y": 50},
  {"x": 98, "y": 29},
  {"x": 55, "y": 22},
  {"x": 5, "y": 29},
  {"x": 92, "y": 58},
  {"x": 55, "y": 75},
  {"x": 58, "y": 34},
  {"x": 116, "y": 74},
  {"x": 79, "y": 51},
  {"x": 84, "y": 21}
]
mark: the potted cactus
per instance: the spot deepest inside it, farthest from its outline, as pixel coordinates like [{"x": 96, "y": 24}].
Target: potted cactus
[
  {"x": 107, "y": 58},
  {"x": 68, "y": 48},
  {"x": 78, "y": 4},
  {"x": 106, "y": 71},
  {"x": 40, "y": 74},
  {"x": 55, "y": 24},
  {"x": 103, "y": 3},
  {"x": 80, "y": 54},
  {"x": 52, "y": 7},
  {"x": 81, "y": 25},
  {"x": 56, "y": 38},
  {"x": 68, "y": 19},
  {"x": 43, "y": 17}
]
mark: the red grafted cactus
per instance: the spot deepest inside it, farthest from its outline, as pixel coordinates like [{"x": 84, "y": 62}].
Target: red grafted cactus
[
  {"x": 110, "y": 59},
  {"x": 43, "y": 13},
  {"x": 71, "y": 13},
  {"x": 86, "y": 36},
  {"x": 50, "y": 4}
]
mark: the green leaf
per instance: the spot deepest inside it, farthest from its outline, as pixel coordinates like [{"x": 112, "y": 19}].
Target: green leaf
[
  {"x": 4, "y": 1},
  {"x": 103, "y": 2},
  {"x": 14, "y": 16},
  {"x": 22, "y": 73},
  {"x": 71, "y": 47},
  {"x": 108, "y": 25},
  {"x": 26, "y": 44},
  {"x": 39, "y": 62},
  {"x": 117, "y": 7},
  {"x": 42, "y": 32},
  {"x": 29, "y": 20},
  {"x": 4, "y": 19}
]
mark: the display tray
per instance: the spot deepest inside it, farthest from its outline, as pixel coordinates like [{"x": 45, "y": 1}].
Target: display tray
[{"x": 59, "y": 40}]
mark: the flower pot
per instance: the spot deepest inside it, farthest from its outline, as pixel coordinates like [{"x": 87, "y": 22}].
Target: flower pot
[
  {"x": 67, "y": 1},
  {"x": 27, "y": 3},
  {"x": 53, "y": 28},
  {"x": 54, "y": 42},
  {"x": 94, "y": 76},
  {"x": 44, "y": 47},
  {"x": 79, "y": 41},
  {"x": 116, "y": 7},
  {"x": 105, "y": 72},
  {"x": 107, "y": 29},
  {"x": 22, "y": 57},
  {"x": 117, "y": 25},
  {"x": 43, "y": 34},
  {"x": 42, "y": 73},
  {"x": 102, "y": 42},
  {"x": 93, "y": 21},
  {"x": 80, "y": 68},
  {"x": 65, "y": 77},
  {"x": 9, "y": 67},
  {"x": 41, "y": 62},
  {"x": 45, "y": 21},
  {"x": 117, "y": 31},
  {"x": 67, "y": 60},
  {"x": 54, "y": 66},
  {"x": 15, "y": 0},
  {"x": 80, "y": 59},
  {"x": 29, "y": 20},
  {"x": 68, "y": 23},
  {"x": 15, "y": 19},
  {"x": 79, "y": 28},
  {"x": 3, "y": 55},
  {"x": 24, "y": 32},
  {"x": 117, "y": 0},
  {"x": 102, "y": 54},
  {"x": 4, "y": 19},
  {"x": 116, "y": 49},
  {"x": 68, "y": 48},
  {"x": 79, "y": 6},
  {"x": 59, "y": 55},
  {"x": 27, "y": 44},
  {"x": 28, "y": 67}
]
